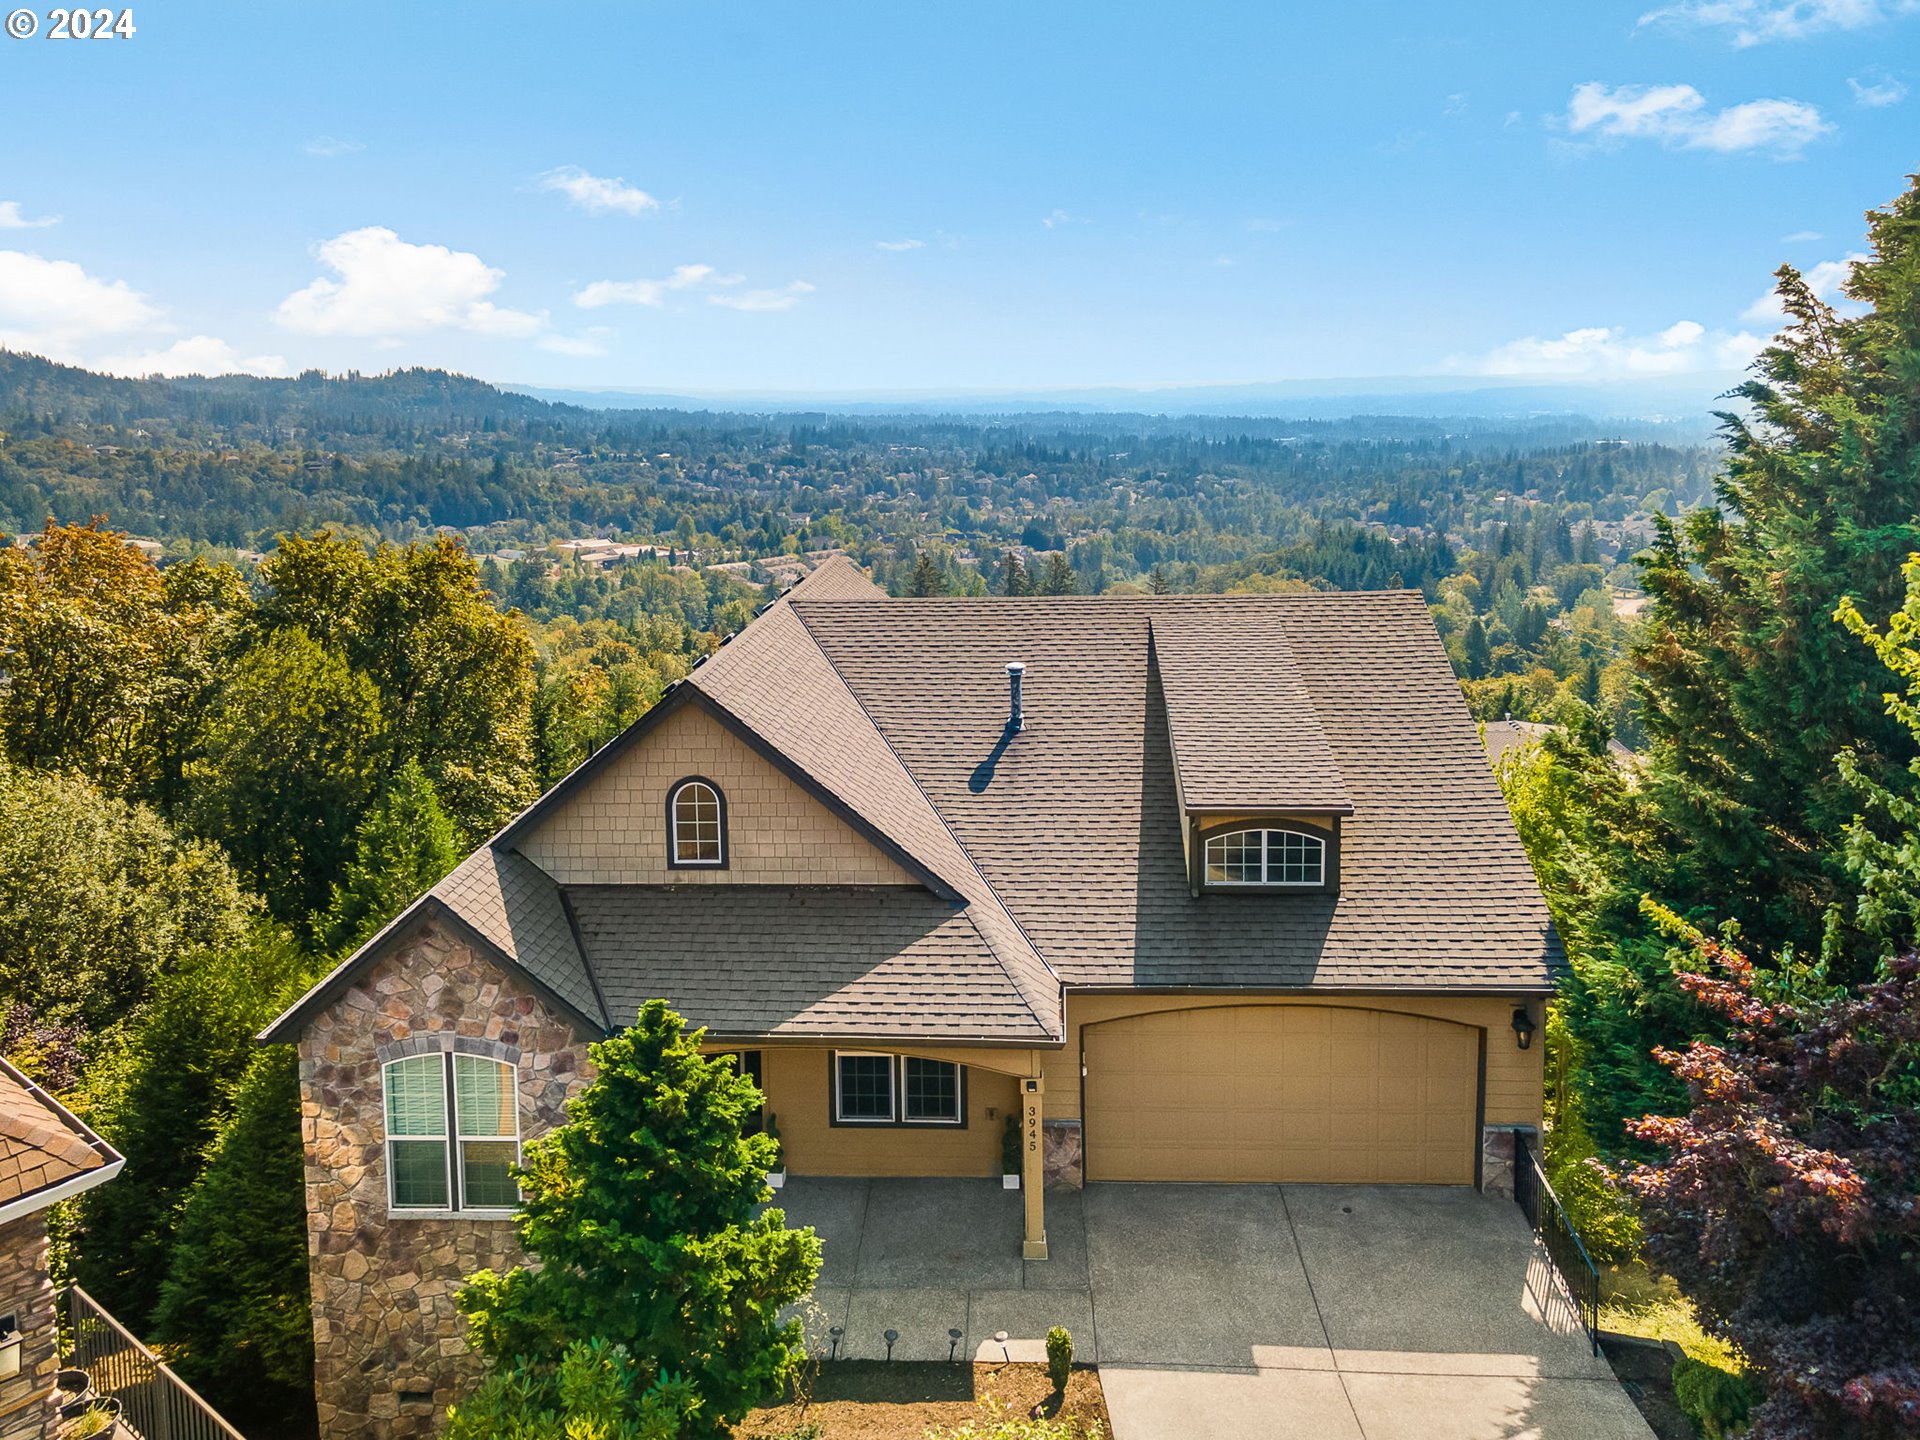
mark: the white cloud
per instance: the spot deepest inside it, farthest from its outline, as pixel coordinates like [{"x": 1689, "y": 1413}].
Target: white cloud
[
  {"x": 1801, "y": 237},
  {"x": 588, "y": 344},
  {"x": 199, "y": 355},
  {"x": 1678, "y": 115},
  {"x": 331, "y": 147},
  {"x": 785, "y": 298},
  {"x": 388, "y": 287},
  {"x": 1877, "y": 94},
  {"x": 1055, "y": 218},
  {"x": 899, "y": 244},
  {"x": 1605, "y": 351},
  {"x": 1754, "y": 22},
  {"x": 54, "y": 308},
  {"x": 648, "y": 292},
  {"x": 596, "y": 194},
  {"x": 12, "y": 219},
  {"x": 1824, "y": 279}
]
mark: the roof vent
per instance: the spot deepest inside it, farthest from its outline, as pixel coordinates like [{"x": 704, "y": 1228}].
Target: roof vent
[{"x": 1016, "y": 713}]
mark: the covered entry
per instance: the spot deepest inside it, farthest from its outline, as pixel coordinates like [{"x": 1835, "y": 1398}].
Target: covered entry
[{"x": 1299, "y": 1093}]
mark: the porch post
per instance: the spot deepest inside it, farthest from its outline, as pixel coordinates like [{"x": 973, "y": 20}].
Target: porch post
[{"x": 1033, "y": 1190}]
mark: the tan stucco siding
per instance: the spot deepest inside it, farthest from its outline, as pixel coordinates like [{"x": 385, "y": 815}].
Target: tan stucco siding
[
  {"x": 1513, "y": 1076},
  {"x": 613, "y": 830},
  {"x": 798, "y": 1085}
]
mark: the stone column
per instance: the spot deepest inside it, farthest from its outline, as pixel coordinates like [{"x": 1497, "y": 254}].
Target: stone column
[{"x": 1033, "y": 1180}]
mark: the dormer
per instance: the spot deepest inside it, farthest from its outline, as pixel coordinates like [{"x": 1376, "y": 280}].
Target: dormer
[{"x": 1261, "y": 799}]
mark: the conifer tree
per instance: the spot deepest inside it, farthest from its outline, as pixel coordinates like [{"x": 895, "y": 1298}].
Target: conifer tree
[
  {"x": 1747, "y": 686},
  {"x": 641, "y": 1209},
  {"x": 403, "y": 848},
  {"x": 927, "y": 578},
  {"x": 1058, "y": 578},
  {"x": 1014, "y": 579}
]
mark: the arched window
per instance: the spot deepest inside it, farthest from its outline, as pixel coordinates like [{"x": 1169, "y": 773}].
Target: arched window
[
  {"x": 1266, "y": 857},
  {"x": 696, "y": 825}
]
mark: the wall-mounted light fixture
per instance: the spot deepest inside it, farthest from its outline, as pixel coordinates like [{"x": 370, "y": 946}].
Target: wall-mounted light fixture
[{"x": 1523, "y": 1027}]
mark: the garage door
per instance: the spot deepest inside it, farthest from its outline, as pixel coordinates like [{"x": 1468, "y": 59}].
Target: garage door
[{"x": 1270, "y": 1093}]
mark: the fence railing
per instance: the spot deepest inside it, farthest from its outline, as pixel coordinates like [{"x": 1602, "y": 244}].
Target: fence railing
[
  {"x": 155, "y": 1403},
  {"x": 1554, "y": 1230}
]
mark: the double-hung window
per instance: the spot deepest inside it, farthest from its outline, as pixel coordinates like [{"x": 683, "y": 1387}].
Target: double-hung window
[
  {"x": 875, "y": 1089},
  {"x": 453, "y": 1133}
]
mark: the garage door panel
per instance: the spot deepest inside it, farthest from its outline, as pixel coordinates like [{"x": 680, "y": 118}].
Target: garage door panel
[{"x": 1281, "y": 1093}]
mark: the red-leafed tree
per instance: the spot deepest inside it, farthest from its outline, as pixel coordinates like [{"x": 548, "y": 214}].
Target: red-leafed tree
[{"x": 1788, "y": 1204}]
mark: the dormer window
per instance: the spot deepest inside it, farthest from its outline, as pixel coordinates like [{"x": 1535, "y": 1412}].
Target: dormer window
[
  {"x": 1273, "y": 858},
  {"x": 696, "y": 826}
]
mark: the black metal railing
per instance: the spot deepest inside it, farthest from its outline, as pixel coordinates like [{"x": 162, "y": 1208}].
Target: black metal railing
[
  {"x": 154, "y": 1403},
  {"x": 1554, "y": 1232}
]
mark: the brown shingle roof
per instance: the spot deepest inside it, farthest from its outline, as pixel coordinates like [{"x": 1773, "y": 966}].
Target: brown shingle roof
[
  {"x": 42, "y": 1144},
  {"x": 1245, "y": 733},
  {"x": 1074, "y": 824},
  {"x": 1055, "y": 855},
  {"x": 844, "y": 961}
]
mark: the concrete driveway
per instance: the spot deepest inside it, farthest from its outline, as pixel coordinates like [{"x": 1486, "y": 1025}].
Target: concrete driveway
[{"x": 1336, "y": 1312}]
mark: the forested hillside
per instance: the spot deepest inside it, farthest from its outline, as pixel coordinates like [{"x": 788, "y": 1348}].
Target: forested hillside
[{"x": 1520, "y": 532}]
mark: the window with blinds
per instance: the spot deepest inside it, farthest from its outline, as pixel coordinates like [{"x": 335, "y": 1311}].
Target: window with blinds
[{"x": 468, "y": 1165}]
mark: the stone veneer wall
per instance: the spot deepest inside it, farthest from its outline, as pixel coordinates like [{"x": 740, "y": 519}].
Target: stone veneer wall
[
  {"x": 27, "y": 1294},
  {"x": 390, "y": 1347}
]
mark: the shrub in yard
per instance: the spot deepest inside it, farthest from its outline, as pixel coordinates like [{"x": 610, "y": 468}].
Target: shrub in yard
[
  {"x": 1004, "y": 1424},
  {"x": 1010, "y": 1147},
  {"x": 598, "y": 1393},
  {"x": 1717, "y": 1401},
  {"x": 1600, "y": 1207},
  {"x": 641, "y": 1212},
  {"x": 1059, "y": 1356}
]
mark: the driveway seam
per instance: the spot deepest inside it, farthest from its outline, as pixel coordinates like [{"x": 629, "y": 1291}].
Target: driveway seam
[{"x": 1318, "y": 1314}]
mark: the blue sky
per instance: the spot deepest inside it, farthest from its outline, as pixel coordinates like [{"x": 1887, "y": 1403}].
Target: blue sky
[{"x": 718, "y": 196}]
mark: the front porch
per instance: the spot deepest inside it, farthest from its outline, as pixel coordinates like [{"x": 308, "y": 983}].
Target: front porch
[{"x": 1343, "y": 1310}]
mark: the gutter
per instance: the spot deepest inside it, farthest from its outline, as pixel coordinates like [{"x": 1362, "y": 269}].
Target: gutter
[{"x": 52, "y": 1194}]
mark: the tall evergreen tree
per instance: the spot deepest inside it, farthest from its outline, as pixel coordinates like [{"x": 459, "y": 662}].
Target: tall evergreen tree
[
  {"x": 1058, "y": 578},
  {"x": 928, "y": 577},
  {"x": 1014, "y": 579},
  {"x": 1748, "y": 687},
  {"x": 235, "y": 1299},
  {"x": 402, "y": 849}
]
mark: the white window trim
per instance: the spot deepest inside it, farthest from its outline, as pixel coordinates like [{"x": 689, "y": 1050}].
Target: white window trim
[
  {"x": 840, "y": 1117},
  {"x": 455, "y": 1161},
  {"x": 897, "y": 1092},
  {"x": 959, "y": 1117},
  {"x": 673, "y": 826},
  {"x": 1221, "y": 837}
]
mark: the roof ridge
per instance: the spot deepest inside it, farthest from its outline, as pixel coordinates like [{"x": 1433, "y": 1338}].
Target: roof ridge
[{"x": 946, "y": 826}]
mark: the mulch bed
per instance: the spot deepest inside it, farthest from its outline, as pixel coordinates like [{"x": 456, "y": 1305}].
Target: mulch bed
[
  {"x": 1645, "y": 1371},
  {"x": 873, "y": 1400}
]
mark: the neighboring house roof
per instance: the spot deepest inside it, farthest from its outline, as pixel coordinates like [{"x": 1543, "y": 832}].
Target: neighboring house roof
[
  {"x": 1504, "y": 737},
  {"x": 46, "y": 1153},
  {"x": 1052, "y": 856}
]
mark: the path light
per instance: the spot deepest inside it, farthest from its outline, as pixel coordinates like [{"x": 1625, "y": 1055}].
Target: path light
[
  {"x": 1000, "y": 1339},
  {"x": 892, "y": 1335},
  {"x": 836, "y": 1332},
  {"x": 953, "y": 1344},
  {"x": 1523, "y": 1027}
]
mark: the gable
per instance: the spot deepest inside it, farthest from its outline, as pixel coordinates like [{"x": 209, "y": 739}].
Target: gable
[{"x": 612, "y": 830}]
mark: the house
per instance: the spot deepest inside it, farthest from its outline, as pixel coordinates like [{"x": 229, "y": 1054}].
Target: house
[
  {"x": 1510, "y": 737},
  {"x": 1194, "y": 888},
  {"x": 46, "y": 1155}
]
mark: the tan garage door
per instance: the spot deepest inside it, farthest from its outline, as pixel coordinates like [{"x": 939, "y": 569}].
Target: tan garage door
[{"x": 1282, "y": 1092}]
